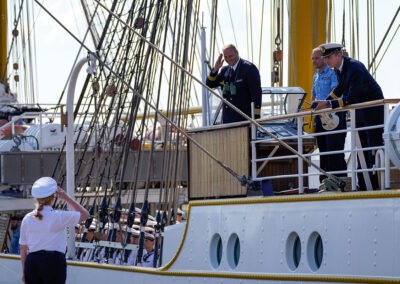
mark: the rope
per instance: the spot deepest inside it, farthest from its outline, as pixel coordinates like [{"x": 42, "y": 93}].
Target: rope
[
  {"x": 384, "y": 39},
  {"x": 261, "y": 34},
  {"x": 386, "y": 49},
  {"x": 230, "y": 17},
  {"x": 343, "y": 24}
]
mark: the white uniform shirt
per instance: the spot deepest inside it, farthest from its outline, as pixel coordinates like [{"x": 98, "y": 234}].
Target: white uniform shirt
[
  {"x": 132, "y": 257},
  {"x": 48, "y": 233},
  {"x": 147, "y": 258}
]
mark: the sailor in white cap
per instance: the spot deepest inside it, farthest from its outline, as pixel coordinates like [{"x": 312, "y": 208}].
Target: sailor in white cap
[
  {"x": 43, "y": 238},
  {"x": 87, "y": 254},
  {"x": 135, "y": 234},
  {"x": 328, "y": 49},
  {"x": 148, "y": 252},
  {"x": 179, "y": 216}
]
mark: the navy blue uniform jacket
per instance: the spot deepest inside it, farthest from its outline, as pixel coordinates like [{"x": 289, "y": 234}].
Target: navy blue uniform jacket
[
  {"x": 356, "y": 85},
  {"x": 248, "y": 89}
]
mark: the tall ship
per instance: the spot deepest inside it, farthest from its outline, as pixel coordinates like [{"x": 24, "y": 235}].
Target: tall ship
[{"x": 135, "y": 135}]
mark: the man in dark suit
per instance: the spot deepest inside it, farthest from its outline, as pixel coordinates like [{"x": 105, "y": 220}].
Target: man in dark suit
[
  {"x": 356, "y": 85},
  {"x": 240, "y": 83}
]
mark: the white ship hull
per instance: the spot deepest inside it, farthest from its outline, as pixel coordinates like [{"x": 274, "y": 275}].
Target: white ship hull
[{"x": 358, "y": 233}]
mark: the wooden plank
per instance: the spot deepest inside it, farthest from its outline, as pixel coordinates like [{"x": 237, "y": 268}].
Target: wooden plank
[{"x": 207, "y": 179}]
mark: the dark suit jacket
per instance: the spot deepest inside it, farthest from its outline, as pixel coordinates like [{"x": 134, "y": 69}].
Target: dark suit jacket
[
  {"x": 356, "y": 85},
  {"x": 246, "y": 78}
]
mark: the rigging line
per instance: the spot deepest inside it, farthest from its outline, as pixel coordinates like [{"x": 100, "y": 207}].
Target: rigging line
[
  {"x": 384, "y": 39},
  {"x": 343, "y": 24},
  {"x": 202, "y": 148},
  {"x": 93, "y": 31},
  {"x": 123, "y": 66},
  {"x": 221, "y": 34},
  {"x": 247, "y": 29},
  {"x": 32, "y": 59},
  {"x": 213, "y": 13},
  {"x": 16, "y": 21},
  {"x": 251, "y": 31},
  {"x": 75, "y": 60},
  {"x": 357, "y": 39},
  {"x": 116, "y": 118},
  {"x": 153, "y": 33},
  {"x": 261, "y": 33},
  {"x": 333, "y": 21},
  {"x": 369, "y": 52},
  {"x": 252, "y": 121},
  {"x": 230, "y": 17},
  {"x": 164, "y": 164},
  {"x": 387, "y": 47}
]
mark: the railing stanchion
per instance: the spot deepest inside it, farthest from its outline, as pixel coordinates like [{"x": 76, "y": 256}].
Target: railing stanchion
[
  {"x": 300, "y": 150},
  {"x": 353, "y": 153}
]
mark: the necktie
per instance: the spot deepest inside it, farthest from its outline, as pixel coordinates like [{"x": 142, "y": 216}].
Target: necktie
[{"x": 231, "y": 74}]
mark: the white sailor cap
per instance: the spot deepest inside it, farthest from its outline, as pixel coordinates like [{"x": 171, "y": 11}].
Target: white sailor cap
[
  {"x": 179, "y": 211},
  {"x": 149, "y": 236},
  {"x": 93, "y": 225},
  {"x": 135, "y": 233},
  {"x": 330, "y": 48},
  {"x": 151, "y": 223},
  {"x": 44, "y": 187},
  {"x": 148, "y": 223},
  {"x": 149, "y": 230},
  {"x": 111, "y": 226},
  {"x": 136, "y": 227}
]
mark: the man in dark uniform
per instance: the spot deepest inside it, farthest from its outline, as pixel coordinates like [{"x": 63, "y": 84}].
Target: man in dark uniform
[
  {"x": 240, "y": 83},
  {"x": 324, "y": 81},
  {"x": 356, "y": 85}
]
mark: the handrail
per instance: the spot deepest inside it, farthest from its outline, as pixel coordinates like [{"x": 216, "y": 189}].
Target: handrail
[{"x": 382, "y": 165}]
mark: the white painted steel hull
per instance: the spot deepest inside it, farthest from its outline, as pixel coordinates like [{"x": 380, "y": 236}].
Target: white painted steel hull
[{"x": 359, "y": 233}]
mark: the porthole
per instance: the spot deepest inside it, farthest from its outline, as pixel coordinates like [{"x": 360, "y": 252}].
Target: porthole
[
  {"x": 293, "y": 250},
  {"x": 315, "y": 251},
  {"x": 216, "y": 250},
  {"x": 233, "y": 251}
]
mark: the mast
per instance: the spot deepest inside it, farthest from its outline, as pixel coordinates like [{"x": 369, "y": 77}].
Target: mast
[
  {"x": 3, "y": 40},
  {"x": 307, "y": 30},
  {"x": 205, "y": 94}
]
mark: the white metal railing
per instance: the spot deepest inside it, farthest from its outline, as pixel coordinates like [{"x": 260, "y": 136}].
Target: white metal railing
[{"x": 382, "y": 163}]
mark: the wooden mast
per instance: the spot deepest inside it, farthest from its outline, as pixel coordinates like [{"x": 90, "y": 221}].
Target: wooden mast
[{"x": 307, "y": 30}]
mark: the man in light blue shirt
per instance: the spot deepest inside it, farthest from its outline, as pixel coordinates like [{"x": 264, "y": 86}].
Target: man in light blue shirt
[{"x": 324, "y": 81}]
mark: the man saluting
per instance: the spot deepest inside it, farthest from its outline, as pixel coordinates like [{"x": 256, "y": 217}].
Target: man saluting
[{"x": 240, "y": 83}]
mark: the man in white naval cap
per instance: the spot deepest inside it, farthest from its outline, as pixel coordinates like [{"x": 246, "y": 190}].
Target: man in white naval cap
[{"x": 356, "y": 85}]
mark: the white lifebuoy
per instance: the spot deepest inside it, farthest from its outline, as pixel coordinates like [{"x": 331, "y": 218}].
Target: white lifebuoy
[{"x": 392, "y": 135}]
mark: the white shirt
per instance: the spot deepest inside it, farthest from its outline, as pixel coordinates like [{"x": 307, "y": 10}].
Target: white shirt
[
  {"x": 147, "y": 258},
  {"x": 48, "y": 233},
  {"x": 341, "y": 65},
  {"x": 132, "y": 257},
  {"x": 235, "y": 66}
]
